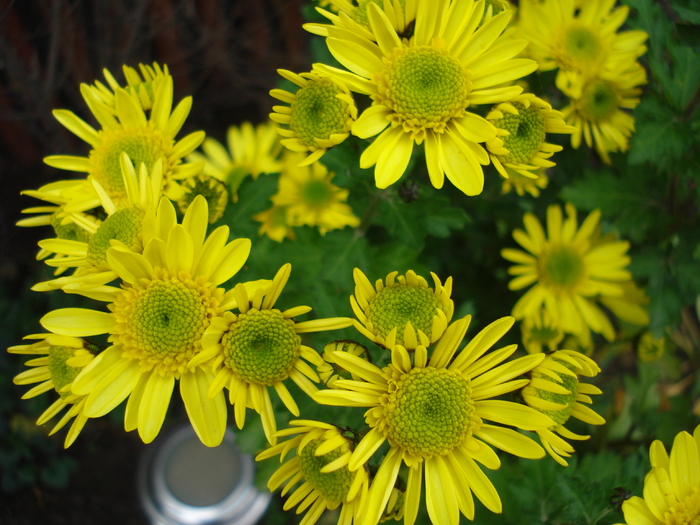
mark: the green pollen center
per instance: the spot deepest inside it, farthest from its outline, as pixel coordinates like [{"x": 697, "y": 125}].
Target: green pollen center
[
  {"x": 527, "y": 133},
  {"x": 123, "y": 225},
  {"x": 562, "y": 267},
  {"x": 166, "y": 321},
  {"x": 316, "y": 193},
  {"x": 70, "y": 231},
  {"x": 582, "y": 47},
  {"x": 213, "y": 190},
  {"x": 429, "y": 412},
  {"x": 333, "y": 486},
  {"x": 317, "y": 112},
  {"x": 61, "y": 373},
  {"x": 395, "y": 306},
  {"x": 570, "y": 383},
  {"x": 261, "y": 346},
  {"x": 599, "y": 101},
  {"x": 424, "y": 86}
]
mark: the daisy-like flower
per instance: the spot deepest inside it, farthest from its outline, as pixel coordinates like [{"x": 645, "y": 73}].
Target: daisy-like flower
[
  {"x": 126, "y": 128},
  {"x": 330, "y": 371},
  {"x": 597, "y": 109},
  {"x": 311, "y": 199},
  {"x": 568, "y": 270},
  {"x": 167, "y": 297},
  {"x": 579, "y": 36},
  {"x": 522, "y": 184},
  {"x": 250, "y": 150},
  {"x": 539, "y": 331},
  {"x": 433, "y": 413},
  {"x": 402, "y": 309},
  {"x": 322, "y": 452},
  {"x": 422, "y": 88},
  {"x": 555, "y": 390},
  {"x": 650, "y": 348},
  {"x": 260, "y": 347},
  {"x": 319, "y": 116},
  {"x": 672, "y": 486},
  {"x": 275, "y": 223},
  {"x": 57, "y": 362},
  {"x": 142, "y": 83},
  {"x": 522, "y": 126},
  {"x": 212, "y": 189}
]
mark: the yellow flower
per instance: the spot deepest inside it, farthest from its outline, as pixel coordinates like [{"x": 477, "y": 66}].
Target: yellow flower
[
  {"x": 423, "y": 86},
  {"x": 672, "y": 486},
  {"x": 403, "y": 310},
  {"x": 57, "y": 363},
  {"x": 212, "y": 189},
  {"x": 568, "y": 271},
  {"x": 540, "y": 330},
  {"x": 321, "y": 462},
  {"x": 143, "y": 84},
  {"x": 330, "y": 371},
  {"x": 275, "y": 223},
  {"x": 259, "y": 348},
  {"x": 522, "y": 184},
  {"x": 319, "y": 115},
  {"x": 167, "y": 298},
  {"x": 650, "y": 348},
  {"x": 555, "y": 390},
  {"x": 433, "y": 413},
  {"x": 311, "y": 199}
]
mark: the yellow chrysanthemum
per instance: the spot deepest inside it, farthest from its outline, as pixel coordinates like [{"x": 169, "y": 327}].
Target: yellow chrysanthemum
[
  {"x": 568, "y": 271},
  {"x": 672, "y": 486},
  {"x": 555, "y": 390},
  {"x": 579, "y": 36},
  {"x": 522, "y": 125},
  {"x": 522, "y": 184},
  {"x": 275, "y": 223},
  {"x": 319, "y": 116},
  {"x": 422, "y": 87},
  {"x": 330, "y": 371},
  {"x": 403, "y": 310},
  {"x": 433, "y": 414},
  {"x": 311, "y": 199},
  {"x": 168, "y": 296},
  {"x": 259, "y": 348},
  {"x": 322, "y": 452},
  {"x": 597, "y": 109},
  {"x": 252, "y": 150},
  {"x": 57, "y": 363},
  {"x": 212, "y": 189},
  {"x": 143, "y": 83},
  {"x": 539, "y": 331},
  {"x": 126, "y": 128}
]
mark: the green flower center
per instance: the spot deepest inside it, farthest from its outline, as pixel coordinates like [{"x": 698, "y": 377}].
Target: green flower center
[
  {"x": 429, "y": 411},
  {"x": 395, "y": 306},
  {"x": 61, "y": 373},
  {"x": 561, "y": 267},
  {"x": 333, "y": 486},
  {"x": 424, "y": 86},
  {"x": 123, "y": 225},
  {"x": 581, "y": 48},
  {"x": 316, "y": 193},
  {"x": 162, "y": 323},
  {"x": 568, "y": 382},
  {"x": 317, "y": 112},
  {"x": 261, "y": 346},
  {"x": 142, "y": 145},
  {"x": 213, "y": 190},
  {"x": 70, "y": 231},
  {"x": 599, "y": 101},
  {"x": 527, "y": 133}
]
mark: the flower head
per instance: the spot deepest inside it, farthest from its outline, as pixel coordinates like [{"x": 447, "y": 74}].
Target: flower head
[
  {"x": 57, "y": 362},
  {"x": 212, "y": 189},
  {"x": 568, "y": 271},
  {"x": 555, "y": 390},
  {"x": 422, "y": 88},
  {"x": 539, "y": 331},
  {"x": 260, "y": 347},
  {"x": 319, "y": 115},
  {"x": 330, "y": 371},
  {"x": 524, "y": 184},
  {"x": 402, "y": 309},
  {"x": 143, "y": 84},
  {"x": 322, "y": 452},
  {"x": 433, "y": 413},
  {"x": 672, "y": 486}
]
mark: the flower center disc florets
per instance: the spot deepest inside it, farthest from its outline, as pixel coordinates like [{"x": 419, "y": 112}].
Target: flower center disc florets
[
  {"x": 161, "y": 321},
  {"x": 527, "y": 133},
  {"x": 316, "y": 193},
  {"x": 61, "y": 373},
  {"x": 261, "y": 346},
  {"x": 581, "y": 48},
  {"x": 561, "y": 267},
  {"x": 687, "y": 512},
  {"x": 599, "y": 101},
  {"x": 395, "y": 306},
  {"x": 429, "y": 411},
  {"x": 424, "y": 86},
  {"x": 142, "y": 144},
  {"x": 334, "y": 486},
  {"x": 317, "y": 112},
  {"x": 124, "y": 226}
]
